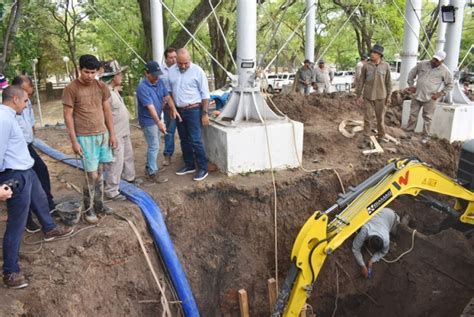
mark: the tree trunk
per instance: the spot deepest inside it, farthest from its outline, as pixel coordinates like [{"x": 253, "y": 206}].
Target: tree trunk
[
  {"x": 146, "y": 20},
  {"x": 200, "y": 12},
  {"x": 10, "y": 33}
]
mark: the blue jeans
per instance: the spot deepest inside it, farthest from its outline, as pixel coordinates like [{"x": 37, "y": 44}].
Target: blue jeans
[
  {"x": 170, "y": 130},
  {"x": 152, "y": 137},
  {"x": 189, "y": 131},
  {"x": 28, "y": 194}
]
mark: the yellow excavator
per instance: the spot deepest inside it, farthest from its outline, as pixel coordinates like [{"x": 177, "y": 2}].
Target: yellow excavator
[{"x": 320, "y": 236}]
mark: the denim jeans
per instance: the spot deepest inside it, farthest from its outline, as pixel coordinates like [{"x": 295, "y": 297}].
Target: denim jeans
[
  {"x": 170, "y": 131},
  {"x": 189, "y": 131},
  {"x": 28, "y": 194},
  {"x": 152, "y": 137}
]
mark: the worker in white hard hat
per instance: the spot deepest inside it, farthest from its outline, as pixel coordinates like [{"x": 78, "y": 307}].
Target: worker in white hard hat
[{"x": 433, "y": 81}]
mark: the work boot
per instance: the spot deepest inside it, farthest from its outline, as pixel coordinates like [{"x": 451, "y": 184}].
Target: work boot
[
  {"x": 99, "y": 205},
  {"x": 167, "y": 160},
  {"x": 158, "y": 178},
  {"x": 89, "y": 214},
  {"x": 15, "y": 280},
  {"x": 58, "y": 232}
]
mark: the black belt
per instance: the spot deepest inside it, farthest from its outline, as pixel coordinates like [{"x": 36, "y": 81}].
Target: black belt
[{"x": 6, "y": 171}]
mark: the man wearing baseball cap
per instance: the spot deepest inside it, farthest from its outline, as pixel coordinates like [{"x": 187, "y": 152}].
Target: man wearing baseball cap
[
  {"x": 433, "y": 80},
  {"x": 151, "y": 93}
]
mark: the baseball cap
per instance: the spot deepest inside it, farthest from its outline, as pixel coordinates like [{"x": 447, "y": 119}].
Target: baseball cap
[
  {"x": 440, "y": 56},
  {"x": 321, "y": 61},
  {"x": 307, "y": 61},
  {"x": 153, "y": 68}
]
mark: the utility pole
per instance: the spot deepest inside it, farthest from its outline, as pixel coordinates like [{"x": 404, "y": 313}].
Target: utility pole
[
  {"x": 310, "y": 30},
  {"x": 411, "y": 35},
  {"x": 157, "y": 36}
]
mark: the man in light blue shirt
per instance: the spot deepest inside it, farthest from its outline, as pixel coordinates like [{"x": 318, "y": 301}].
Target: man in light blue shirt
[
  {"x": 17, "y": 173},
  {"x": 190, "y": 92},
  {"x": 26, "y": 121}
]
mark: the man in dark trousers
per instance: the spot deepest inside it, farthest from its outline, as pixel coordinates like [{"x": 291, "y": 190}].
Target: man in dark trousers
[
  {"x": 26, "y": 121},
  {"x": 16, "y": 172}
]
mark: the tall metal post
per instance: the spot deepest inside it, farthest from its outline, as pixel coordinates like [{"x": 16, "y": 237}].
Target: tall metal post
[
  {"x": 246, "y": 102},
  {"x": 441, "y": 28},
  {"x": 157, "y": 37},
  {"x": 411, "y": 34},
  {"x": 40, "y": 113},
  {"x": 310, "y": 30},
  {"x": 454, "y": 34}
]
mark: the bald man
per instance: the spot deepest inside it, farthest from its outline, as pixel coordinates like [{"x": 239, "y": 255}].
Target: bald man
[{"x": 190, "y": 92}]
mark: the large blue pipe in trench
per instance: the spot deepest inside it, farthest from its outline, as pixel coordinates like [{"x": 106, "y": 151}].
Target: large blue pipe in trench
[{"x": 158, "y": 229}]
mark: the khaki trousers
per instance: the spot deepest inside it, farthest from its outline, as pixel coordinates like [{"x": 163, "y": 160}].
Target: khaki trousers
[
  {"x": 428, "y": 111},
  {"x": 123, "y": 165},
  {"x": 379, "y": 107}
]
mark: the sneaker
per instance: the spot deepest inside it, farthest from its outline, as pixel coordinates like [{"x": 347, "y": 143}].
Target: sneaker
[
  {"x": 185, "y": 170},
  {"x": 136, "y": 181},
  {"x": 159, "y": 179},
  {"x": 167, "y": 160},
  {"x": 91, "y": 217},
  {"x": 118, "y": 197},
  {"x": 59, "y": 231},
  {"x": 200, "y": 175},
  {"x": 32, "y": 227},
  {"x": 14, "y": 280}
]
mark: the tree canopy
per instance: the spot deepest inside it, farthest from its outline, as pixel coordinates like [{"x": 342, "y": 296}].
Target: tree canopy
[{"x": 50, "y": 30}]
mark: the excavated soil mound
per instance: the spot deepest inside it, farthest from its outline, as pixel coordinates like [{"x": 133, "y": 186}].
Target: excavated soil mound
[{"x": 224, "y": 235}]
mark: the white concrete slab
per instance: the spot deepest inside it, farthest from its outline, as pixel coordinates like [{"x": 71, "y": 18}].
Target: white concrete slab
[
  {"x": 243, "y": 149},
  {"x": 454, "y": 122}
]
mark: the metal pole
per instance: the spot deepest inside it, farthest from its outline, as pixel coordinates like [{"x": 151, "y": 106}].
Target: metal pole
[
  {"x": 157, "y": 37},
  {"x": 409, "y": 55},
  {"x": 310, "y": 30},
  {"x": 453, "y": 35},
  {"x": 441, "y": 28},
  {"x": 246, "y": 41},
  {"x": 37, "y": 92}
]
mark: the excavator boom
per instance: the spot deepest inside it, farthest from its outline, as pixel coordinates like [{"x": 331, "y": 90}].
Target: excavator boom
[{"x": 320, "y": 236}]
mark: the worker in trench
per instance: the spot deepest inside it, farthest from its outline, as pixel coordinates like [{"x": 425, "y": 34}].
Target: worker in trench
[{"x": 375, "y": 234}]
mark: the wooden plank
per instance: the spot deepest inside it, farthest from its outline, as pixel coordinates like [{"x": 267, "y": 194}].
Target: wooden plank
[
  {"x": 376, "y": 144},
  {"x": 392, "y": 139},
  {"x": 244, "y": 303},
  {"x": 272, "y": 293}
]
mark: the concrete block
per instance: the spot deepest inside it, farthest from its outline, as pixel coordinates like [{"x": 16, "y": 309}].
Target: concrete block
[
  {"x": 453, "y": 122},
  {"x": 243, "y": 148}
]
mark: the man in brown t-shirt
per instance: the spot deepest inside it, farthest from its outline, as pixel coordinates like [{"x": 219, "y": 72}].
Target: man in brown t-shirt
[{"x": 88, "y": 119}]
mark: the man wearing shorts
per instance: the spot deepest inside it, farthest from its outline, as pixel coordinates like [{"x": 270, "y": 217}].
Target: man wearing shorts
[{"x": 88, "y": 119}]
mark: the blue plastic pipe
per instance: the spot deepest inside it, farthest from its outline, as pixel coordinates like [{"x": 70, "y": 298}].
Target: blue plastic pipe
[{"x": 157, "y": 226}]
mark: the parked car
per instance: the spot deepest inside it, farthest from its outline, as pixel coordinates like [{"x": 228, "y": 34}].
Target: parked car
[{"x": 277, "y": 81}]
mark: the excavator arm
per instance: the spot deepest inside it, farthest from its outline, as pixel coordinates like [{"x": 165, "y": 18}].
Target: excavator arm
[{"x": 320, "y": 236}]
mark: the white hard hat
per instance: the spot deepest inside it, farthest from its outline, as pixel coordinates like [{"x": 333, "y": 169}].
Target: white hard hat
[{"x": 440, "y": 56}]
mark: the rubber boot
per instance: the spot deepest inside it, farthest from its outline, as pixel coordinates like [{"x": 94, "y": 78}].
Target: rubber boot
[
  {"x": 89, "y": 214},
  {"x": 99, "y": 205}
]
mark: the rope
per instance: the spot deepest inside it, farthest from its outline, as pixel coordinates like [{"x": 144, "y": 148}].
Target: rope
[
  {"x": 422, "y": 26},
  {"x": 196, "y": 40},
  {"x": 287, "y": 41},
  {"x": 275, "y": 30},
  {"x": 339, "y": 31},
  {"x": 164, "y": 301},
  {"x": 202, "y": 22},
  {"x": 404, "y": 253},
  {"x": 223, "y": 35},
  {"x": 385, "y": 22},
  {"x": 115, "y": 32},
  {"x": 410, "y": 27}
]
